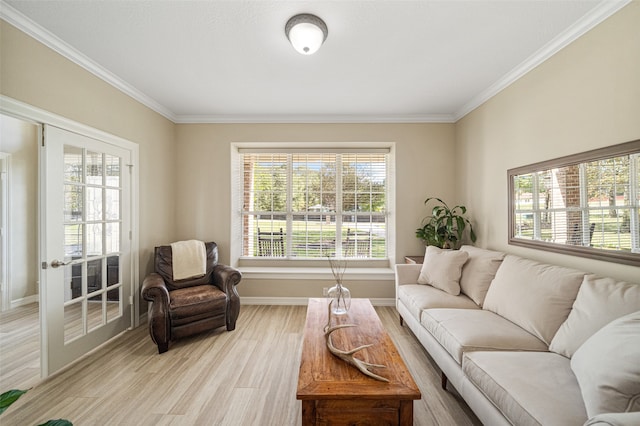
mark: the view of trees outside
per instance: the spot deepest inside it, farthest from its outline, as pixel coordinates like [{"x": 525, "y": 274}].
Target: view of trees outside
[
  {"x": 323, "y": 195},
  {"x": 591, "y": 204}
]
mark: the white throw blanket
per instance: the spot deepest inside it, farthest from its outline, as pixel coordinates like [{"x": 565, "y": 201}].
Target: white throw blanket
[{"x": 189, "y": 259}]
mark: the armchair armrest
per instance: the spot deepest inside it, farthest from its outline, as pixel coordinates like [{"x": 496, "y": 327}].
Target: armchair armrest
[
  {"x": 226, "y": 278},
  {"x": 155, "y": 291},
  {"x": 407, "y": 273}
]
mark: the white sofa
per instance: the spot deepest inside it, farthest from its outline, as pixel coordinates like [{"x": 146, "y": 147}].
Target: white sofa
[{"x": 526, "y": 343}]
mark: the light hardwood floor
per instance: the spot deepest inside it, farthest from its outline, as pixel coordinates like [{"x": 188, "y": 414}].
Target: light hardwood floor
[
  {"x": 19, "y": 348},
  {"x": 244, "y": 377}
]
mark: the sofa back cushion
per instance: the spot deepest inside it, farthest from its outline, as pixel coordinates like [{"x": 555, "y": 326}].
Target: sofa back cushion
[
  {"x": 599, "y": 301},
  {"x": 442, "y": 269},
  {"x": 607, "y": 367},
  {"x": 536, "y": 296},
  {"x": 478, "y": 272}
]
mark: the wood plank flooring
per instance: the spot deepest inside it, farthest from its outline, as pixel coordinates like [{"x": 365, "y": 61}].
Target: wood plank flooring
[
  {"x": 244, "y": 377},
  {"x": 19, "y": 348}
]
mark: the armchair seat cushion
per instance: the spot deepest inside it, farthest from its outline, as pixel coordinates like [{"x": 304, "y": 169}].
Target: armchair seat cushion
[{"x": 195, "y": 301}]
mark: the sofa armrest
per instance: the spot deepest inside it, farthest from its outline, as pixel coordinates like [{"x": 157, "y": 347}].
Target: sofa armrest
[
  {"x": 615, "y": 419},
  {"x": 407, "y": 273}
]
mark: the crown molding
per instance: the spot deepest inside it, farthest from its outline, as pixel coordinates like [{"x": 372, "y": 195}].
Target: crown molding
[
  {"x": 589, "y": 21},
  {"x": 24, "y": 24},
  {"x": 292, "y": 119}
]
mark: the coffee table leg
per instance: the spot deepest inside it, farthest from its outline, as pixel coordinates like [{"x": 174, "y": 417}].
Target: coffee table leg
[
  {"x": 406, "y": 413},
  {"x": 308, "y": 413}
]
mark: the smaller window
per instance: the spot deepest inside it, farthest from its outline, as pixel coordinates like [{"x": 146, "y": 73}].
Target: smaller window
[{"x": 586, "y": 204}]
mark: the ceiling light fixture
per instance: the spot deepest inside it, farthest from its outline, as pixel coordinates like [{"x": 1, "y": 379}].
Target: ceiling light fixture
[{"x": 306, "y": 33}]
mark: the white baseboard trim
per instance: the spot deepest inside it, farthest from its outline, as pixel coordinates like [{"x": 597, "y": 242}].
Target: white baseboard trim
[
  {"x": 24, "y": 301},
  {"x": 303, "y": 301}
]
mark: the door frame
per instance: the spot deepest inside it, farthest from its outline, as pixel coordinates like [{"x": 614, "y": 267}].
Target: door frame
[
  {"x": 5, "y": 208},
  {"x": 28, "y": 112}
]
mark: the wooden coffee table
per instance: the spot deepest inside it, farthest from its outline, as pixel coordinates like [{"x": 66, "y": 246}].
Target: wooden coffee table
[{"x": 334, "y": 392}]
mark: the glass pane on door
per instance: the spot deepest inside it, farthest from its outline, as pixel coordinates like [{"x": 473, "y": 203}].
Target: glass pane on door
[
  {"x": 73, "y": 164},
  {"x": 94, "y": 276},
  {"x": 73, "y": 325},
  {"x": 94, "y": 203},
  {"x": 95, "y": 312},
  {"x": 73, "y": 203}
]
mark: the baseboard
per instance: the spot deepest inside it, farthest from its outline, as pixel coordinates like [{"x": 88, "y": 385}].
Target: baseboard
[
  {"x": 24, "y": 301},
  {"x": 303, "y": 301}
]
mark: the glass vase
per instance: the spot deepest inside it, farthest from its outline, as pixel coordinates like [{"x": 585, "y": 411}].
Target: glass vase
[{"x": 341, "y": 297}]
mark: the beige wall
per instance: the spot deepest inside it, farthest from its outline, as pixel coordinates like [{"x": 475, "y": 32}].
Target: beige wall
[
  {"x": 203, "y": 159},
  {"x": 32, "y": 73},
  {"x": 20, "y": 139},
  {"x": 585, "y": 97}
]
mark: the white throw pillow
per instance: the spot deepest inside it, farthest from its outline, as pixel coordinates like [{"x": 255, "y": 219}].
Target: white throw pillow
[
  {"x": 478, "y": 272},
  {"x": 599, "y": 301},
  {"x": 442, "y": 269},
  {"x": 607, "y": 367}
]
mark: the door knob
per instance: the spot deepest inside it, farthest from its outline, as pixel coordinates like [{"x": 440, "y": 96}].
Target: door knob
[{"x": 56, "y": 263}]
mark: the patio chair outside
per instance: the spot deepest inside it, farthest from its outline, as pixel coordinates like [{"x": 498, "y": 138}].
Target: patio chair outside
[{"x": 271, "y": 244}]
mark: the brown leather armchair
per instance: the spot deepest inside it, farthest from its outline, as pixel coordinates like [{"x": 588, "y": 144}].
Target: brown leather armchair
[{"x": 185, "y": 307}]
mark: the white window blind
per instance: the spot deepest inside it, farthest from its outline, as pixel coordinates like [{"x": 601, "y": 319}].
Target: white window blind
[{"x": 314, "y": 203}]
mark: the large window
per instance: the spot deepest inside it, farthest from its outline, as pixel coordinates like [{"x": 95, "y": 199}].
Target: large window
[
  {"x": 587, "y": 204},
  {"x": 314, "y": 203}
]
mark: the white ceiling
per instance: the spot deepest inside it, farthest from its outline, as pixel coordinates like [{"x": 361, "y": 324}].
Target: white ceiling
[{"x": 230, "y": 61}]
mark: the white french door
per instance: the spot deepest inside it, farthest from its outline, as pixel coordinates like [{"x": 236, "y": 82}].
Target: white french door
[{"x": 86, "y": 245}]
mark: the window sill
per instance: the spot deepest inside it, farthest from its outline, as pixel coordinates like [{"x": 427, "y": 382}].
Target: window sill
[{"x": 316, "y": 273}]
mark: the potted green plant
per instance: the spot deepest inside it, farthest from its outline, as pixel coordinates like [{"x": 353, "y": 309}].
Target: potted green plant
[
  {"x": 445, "y": 227},
  {"x": 9, "y": 397}
]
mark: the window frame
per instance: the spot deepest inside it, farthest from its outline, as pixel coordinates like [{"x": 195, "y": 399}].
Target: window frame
[
  {"x": 356, "y": 265},
  {"x": 617, "y": 256}
]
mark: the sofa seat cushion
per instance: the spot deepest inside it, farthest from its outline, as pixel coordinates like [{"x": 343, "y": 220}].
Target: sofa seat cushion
[
  {"x": 529, "y": 388},
  {"x": 196, "y": 301},
  {"x": 417, "y": 297},
  {"x": 536, "y": 296},
  {"x": 464, "y": 330}
]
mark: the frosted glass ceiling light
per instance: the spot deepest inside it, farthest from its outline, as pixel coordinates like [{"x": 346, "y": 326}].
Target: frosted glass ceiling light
[{"x": 306, "y": 33}]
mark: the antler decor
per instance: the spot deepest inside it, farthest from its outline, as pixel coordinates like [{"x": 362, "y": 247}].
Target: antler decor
[{"x": 347, "y": 356}]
